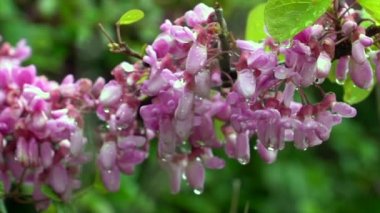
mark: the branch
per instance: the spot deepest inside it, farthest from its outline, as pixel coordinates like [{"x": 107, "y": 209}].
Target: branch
[{"x": 224, "y": 62}]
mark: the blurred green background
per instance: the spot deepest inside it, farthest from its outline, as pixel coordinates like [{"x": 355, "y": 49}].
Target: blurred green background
[{"x": 342, "y": 175}]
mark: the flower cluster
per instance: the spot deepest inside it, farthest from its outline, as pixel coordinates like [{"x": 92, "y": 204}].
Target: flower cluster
[
  {"x": 124, "y": 140},
  {"x": 353, "y": 39},
  {"x": 41, "y": 135}
]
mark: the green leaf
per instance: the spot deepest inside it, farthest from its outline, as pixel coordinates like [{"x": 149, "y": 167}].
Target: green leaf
[
  {"x": 218, "y": 125},
  {"x": 3, "y": 209},
  {"x": 64, "y": 207},
  {"x": 255, "y": 24},
  {"x": 372, "y": 7},
  {"x": 49, "y": 192},
  {"x": 130, "y": 17},
  {"x": 2, "y": 191},
  {"x": 286, "y": 18},
  {"x": 354, "y": 94}
]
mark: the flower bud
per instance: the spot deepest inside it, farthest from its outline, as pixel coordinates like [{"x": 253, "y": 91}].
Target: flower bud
[
  {"x": 24, "y": 75},
  {"x": 59, "y": 178},
  {"x": 343, "y": 109},
  {"x": 111, "y": 179},
  {"x": 196, "y": 58},
  {"x": 214, "y": 163},
  {"x": 269, "y": 156},
  {"x": 348, "y": 27},
  {"x": 195, "y": 174},
  {"x": 107, "y": 155},
  {"x": 361, "y": 74},
  {"x": 358, "y": 52},
  {"x": 342, "y": 68},
  {"x": 111, "y": 93},
  {"x": 246, "y": 84},
  {"x": 323, "y": 65},
  {"x": 47, "y": 154},
  {"x": 242, "y": 148}
]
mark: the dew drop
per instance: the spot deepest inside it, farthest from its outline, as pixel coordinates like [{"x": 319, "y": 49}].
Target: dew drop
[
  {"x": 304, "y": 149},
  {"x": 270, "y": 149},
  {"x": 340, "y": 82},
  {"x": 197, "y": 97},
  {"x": 319, "y": 80},
  {"x": 198, "y": 191},
  {"x": 255, "y": 147},
  {"x": 109, "y": 171},
  {"x": 184, "y": 177},
  {"x": 106, "y": 110},
  {"x": 242, "y": 161}
]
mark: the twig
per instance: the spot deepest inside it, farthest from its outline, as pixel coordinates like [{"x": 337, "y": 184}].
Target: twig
[
  {"x": 246, "y": 207},
  {"x": 224, "y": 62},
  {"x": 120, "y": 46},
  {"x": 348, "y": 9},
  {"x": 235, "y": 195},
  {"x": 105, "y": 33}
]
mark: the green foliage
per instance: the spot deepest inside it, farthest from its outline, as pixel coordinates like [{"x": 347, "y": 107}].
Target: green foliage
[
  {"x": 1, "y": 189},
  {"x": 255, "y": 29},
  {"x": 218, "y": 125},
  {"x": 64, "y": 207},
  {"x": 2, "y": 207},
  {"x": 354, "y": 94},
  {"x": 284, "y": 18},
  {"x": 131, "y": 17},
  {"x": 372, "y": 7},
  {"x": 49, "y": 192}
]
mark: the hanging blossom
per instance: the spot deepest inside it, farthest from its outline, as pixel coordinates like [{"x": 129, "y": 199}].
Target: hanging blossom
[
  {"x": 125, "y": 143},
  {"x": 41, "y": 127},
  {"x": 186, "y": 86}
]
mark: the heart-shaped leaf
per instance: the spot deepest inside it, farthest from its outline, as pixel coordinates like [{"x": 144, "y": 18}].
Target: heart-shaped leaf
[
  {"x": 372, "y": 7},
  {"x": 255, "y": 24},
  {"x": 130, "y": 17},
  {"x": 286, "y": 18}
]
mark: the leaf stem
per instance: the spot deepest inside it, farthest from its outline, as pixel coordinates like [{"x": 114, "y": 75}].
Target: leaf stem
[{"x": 105, "y": 33}]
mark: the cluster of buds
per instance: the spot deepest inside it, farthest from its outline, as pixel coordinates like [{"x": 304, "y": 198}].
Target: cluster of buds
[
  {"x": 41, "y": 127},
  {"x": 125, "y": 142},
  {"x": 352, "y": 47}
]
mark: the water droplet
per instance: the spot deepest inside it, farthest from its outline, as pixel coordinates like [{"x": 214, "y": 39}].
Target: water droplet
[
  {"x": 340, "y": 82},
  {"x": 305, "y": 149},
  {"x": 184, "y": 177},
  {"x": 107, "y": 126},
  {"x": 255, "y": 147},
  {"x": 106, "y": 110},
  {"x": 242, "y": 161},
  {"x": 297, "y": 88},
  {"x": 270, "y": 149},
  {"x": 198, "y": 191},
  {"x": 198, "y": 98},
  {"x": 319, "y": 80},
  {"x": 109, "y": 171}
]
